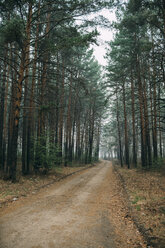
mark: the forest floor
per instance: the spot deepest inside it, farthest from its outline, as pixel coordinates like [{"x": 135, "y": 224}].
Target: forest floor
[
  {"x": 85, "y": 210},
  {"x": 31, "y": 184},
  {"x": 145, "y": 194}
]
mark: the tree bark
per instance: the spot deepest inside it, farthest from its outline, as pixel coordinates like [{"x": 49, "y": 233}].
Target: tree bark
[
  {"x": 154, "y": 104},
  {"x": 133, "y": 121},
  {"x": 125, "y": 130},
  {"x": 68, "y": 125},
  {"x": 118, "y": 127},
  {"x": 160, "y": 131},
  {"x": 25, "y": 167},
  {"x": 147, "y": 129},
  {"x": 91, "y": 132},
  {"x": 17, "y": 103},
  {"x": 2, "y": 106},
  {"x": 61, "y": 113},
  {"x": 5, "y": 115},
  {"x": 30, "y": 125},
  {"x": 14, "y": 58},
  {"x": 143, "y": 131},
  {"x": 41, "y": 137}
]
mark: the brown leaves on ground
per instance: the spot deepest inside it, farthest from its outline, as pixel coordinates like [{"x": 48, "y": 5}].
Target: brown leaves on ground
[
  {"x": 126, "y": 232},
  {"x": 146, "y": 194},
  {"x": 27, "y": 185}
]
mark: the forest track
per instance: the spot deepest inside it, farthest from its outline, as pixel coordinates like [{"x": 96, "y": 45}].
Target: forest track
[
  {"x": 72, "y": 213},
  {"x": 67, "y": 214}
]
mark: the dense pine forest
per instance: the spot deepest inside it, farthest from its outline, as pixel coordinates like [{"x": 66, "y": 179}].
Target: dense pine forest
[
  {"x": 135, "y": 77},
  {"x": 54, "y": 94},
  {"x": 51, "y": 96}
]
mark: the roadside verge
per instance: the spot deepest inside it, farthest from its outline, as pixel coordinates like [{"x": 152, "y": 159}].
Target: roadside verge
[
  {"x": 31, "y": 184},
  {"x": 144, "y": 192}
]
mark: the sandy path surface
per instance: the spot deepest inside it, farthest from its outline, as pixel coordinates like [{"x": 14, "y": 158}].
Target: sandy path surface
[{"x": 72, "y": 213}]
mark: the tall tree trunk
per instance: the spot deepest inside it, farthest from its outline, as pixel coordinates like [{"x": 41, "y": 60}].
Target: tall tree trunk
[
  {"x": 2, "y": 106},
  {"x": 17, "y": 103},
  {"x": 61, "y": 113},
  {"x": 41, "y": 142},
  {"x": 86, "y": 144},
  {"x": 91, "y": 133},
  {"x": 14, "y": 58},
  {"x": 163, "y": 70},
  {"x": 57, "y": 104},
  {"x": 118, "y": 127},
  {"x": 83, "y": 138},
  {"x": 25, "y": 167},
  {"x": 98, "y": 140},
  {"x": 68, "y": 125},
  {"x": 30, "y": 125},
  {"x": 143, "y": 131},
  {"x": 37, "y": 157},
  {"x": 151, "y": 112},
  {"x": 147, "y": 129},
  {"x": 43, "y": 90},
  {"x": 71, "y": 150},
  {"x": 160, "y": 131},
  {"x": 133, "y": 121},
  {"x": 125, "y": 130},
  {"x": 78, "y": 149},
  {"x": 154, "y": 104},
  {"x": 5, "y": 115}
]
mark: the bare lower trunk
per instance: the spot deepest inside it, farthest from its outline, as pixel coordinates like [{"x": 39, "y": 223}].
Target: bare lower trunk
[
  {"x": 119, "y": 134},
  {"x": 154, "y": 104},
  {"x": 2, "y": 107},
  {"x": 61, "y": 114},
  {"x": 148, "y": 143},
  {"x": 133, "y": 122},
  {"x": 143, "y": 131},
  {"x": 125, "y": 130}
]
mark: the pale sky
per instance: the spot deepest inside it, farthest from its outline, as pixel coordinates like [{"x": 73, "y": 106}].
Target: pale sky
[{"x": 105, "y": 35}]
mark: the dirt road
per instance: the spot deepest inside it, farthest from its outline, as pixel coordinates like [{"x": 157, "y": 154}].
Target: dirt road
[
  {"x": 82, "y": 211},
  {"x": 70, "y": 213}
]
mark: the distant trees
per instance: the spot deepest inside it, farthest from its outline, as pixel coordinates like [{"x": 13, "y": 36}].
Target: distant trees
[
  {"x": 135, "y": 76},
  {"x": 51, "y": 98}
]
